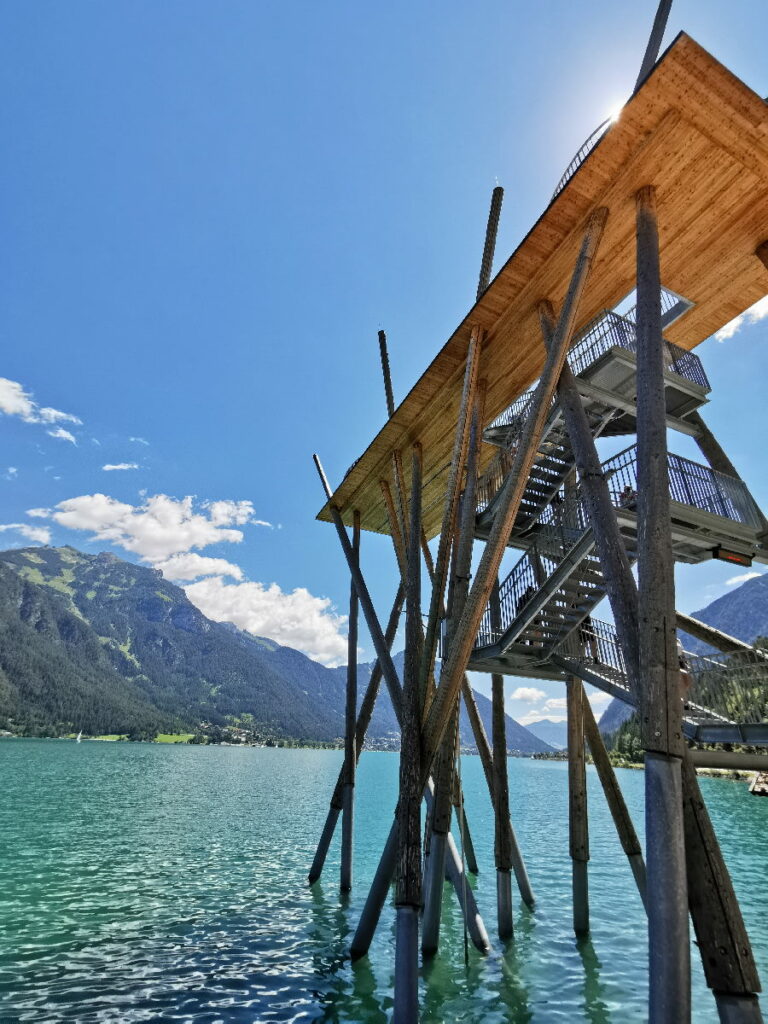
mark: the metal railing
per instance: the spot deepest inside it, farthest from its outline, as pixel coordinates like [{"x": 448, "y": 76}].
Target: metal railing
[
  {"x": 584, "y": 150},
  {"x": 731, "y": 686},
  {"x": 609, "y": 330},
  {"x": 690, "y": 483},
  {"x": 596, "y": 643},
  {"x": 565, "y": 519}
]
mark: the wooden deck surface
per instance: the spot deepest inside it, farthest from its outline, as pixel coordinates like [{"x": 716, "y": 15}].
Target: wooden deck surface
[{"x": 698, "y": 134}]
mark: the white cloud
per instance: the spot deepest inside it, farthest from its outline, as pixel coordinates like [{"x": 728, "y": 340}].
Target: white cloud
[
  {"x": 555, "y": 704},
  {"x": 112, "y": 466},
  {"x": 757, "y": 312},
  {"x": 138, "y": 440},
  {"x": 159, "y": 528},
  {"x": 40, "y": 534},
  {"x": 742, "y": 578},
  {"x": 163, "y": 531},
  {"x": 15, "y": 401},
  {"x": 11, "y": 473},
  {"x": 63, "y": 435},
  {"x": 190, "y": 567},
  {"x": 597, "y": 700},
  {"x": 298, "y": 619},
  {"x": 529, "y": 694},
  {"x": 536, "y": 715}
]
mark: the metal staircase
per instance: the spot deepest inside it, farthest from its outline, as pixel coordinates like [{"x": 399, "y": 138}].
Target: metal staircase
[{"x": 539, "y": 622}]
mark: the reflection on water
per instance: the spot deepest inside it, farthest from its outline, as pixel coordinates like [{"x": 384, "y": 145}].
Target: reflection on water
[{"x": 148, "y": 883}]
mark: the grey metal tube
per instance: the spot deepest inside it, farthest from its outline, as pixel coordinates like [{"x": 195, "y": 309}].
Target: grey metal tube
[
  {"x": 637, "y": 864},
  {"x": 322, "y": 847},
  {"x": 521, "y": 873},
  {"x": 580, "y": 896},
  {"x": 669, "y": 950},
  {"x": 376, "y": 898},
  {"x": 504, "y": 905},
  {"x": 433, "y": 893},
  {"x": 475, "y": 925},
  {"x": 406, "y": 1002},
  {"x": 738, "y": 1009}
]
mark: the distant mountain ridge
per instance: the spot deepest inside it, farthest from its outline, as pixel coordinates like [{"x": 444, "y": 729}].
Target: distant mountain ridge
[
  {"x": 554, "y": 733},
  {"x": 95, "y": 643},
  {"x": 742, "y": 612}
]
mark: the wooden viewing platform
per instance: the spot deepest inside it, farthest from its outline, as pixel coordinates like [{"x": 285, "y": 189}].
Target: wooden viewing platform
[
  {"x": 701, "y": 136},
  {"x": 670, "y": 202}
]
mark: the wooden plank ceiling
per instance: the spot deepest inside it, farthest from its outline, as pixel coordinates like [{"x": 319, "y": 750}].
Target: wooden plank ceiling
[{"x": 698, "y": 134}]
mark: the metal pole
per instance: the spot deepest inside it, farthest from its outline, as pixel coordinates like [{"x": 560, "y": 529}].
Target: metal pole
[
  {"x": 486, "y": 266},
  {"x": 654, "y": 42}
]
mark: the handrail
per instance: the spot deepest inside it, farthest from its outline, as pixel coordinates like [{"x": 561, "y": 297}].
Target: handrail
[{"x": 584, "y": 150}]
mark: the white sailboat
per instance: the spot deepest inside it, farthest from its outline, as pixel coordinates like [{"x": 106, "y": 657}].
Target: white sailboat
[{"x": 79, "y": 736}]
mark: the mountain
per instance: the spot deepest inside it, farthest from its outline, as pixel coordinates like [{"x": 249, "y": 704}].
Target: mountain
[
  {"x": 742, "y": 613},
  {"x": 94, "y": 643},
  {"x": 553, "y": 733}
]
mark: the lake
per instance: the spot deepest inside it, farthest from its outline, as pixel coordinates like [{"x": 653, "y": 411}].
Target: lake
[{"x": 144, "y": 882}]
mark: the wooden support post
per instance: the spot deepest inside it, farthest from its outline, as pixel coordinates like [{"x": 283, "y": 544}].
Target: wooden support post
[
  {"x": 509, "y": 501},
  {"x": 371, "y": 620},
  {"x": 486, "y": 266},
  {"x": 654, "y": 42},
  {"x": 726, "y": 953},
  {"x": 408, "y": 893},
  {"x": 660, "y": 703},
  {"x": 453, "y": 487},
  {"x": 613, "y": 795},
  {"x": 361, "y": 728},
  {"x": 762, "y": 253},
  {"x": 502, "y": 825},
  {"x": 350, "y": 722},
  {"x": 577, "y": 805},
  {"x": 387, "y": 375},
  {"x": 438, "y": 842}
]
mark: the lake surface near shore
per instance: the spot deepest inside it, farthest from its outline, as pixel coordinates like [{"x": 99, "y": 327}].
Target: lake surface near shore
[{"x": 143, "y": 882}]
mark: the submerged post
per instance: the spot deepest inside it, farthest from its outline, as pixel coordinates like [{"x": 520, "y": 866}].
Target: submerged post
[
  {"x": 660, "y": 701},
  {"x": 502, "y": 846},
  {"x": 578, "y": 827},
  {"x": 350, "y": 720}
]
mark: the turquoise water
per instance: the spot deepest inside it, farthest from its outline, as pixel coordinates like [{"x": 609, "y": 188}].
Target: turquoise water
[{"x": 144, "y": 882}]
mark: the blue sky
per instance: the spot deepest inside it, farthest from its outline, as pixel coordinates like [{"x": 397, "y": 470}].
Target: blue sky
[{"x": 209, "y": 210}]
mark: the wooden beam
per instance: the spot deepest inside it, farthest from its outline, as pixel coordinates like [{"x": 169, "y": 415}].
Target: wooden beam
[
  {"x": 502, "y": 845},
  {"x": 715, "y": 637},
  {"x": 386, "y": 374},
  {"x": 615, "y": 800},
  {"x": 660, "y": 703},
  {"x": 578, "y": 827},
  {"x": 408, "y": 883},
  {"x": 350, "y": 724},
  {"x": 509, "y": 502},
  {"x": 654, "y": 42},
  {"x": 363, "y": 721},
  {"x": 453, "y": 487},
  {"x": 726, "y": 953},
  {"x": 491, "y": 230}
]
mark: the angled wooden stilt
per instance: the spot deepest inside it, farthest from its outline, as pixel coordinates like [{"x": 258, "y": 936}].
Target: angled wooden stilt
[
  {"x": 350, "y": 726},
  {"x": 654, "y": 42},
  {"x": 715, "y": 637},
  {"x": 614, "y": 798},
  {"x": 502, "y": 826},
  {"x": 726, "y": 952},
  {"x": 509, "y": 500},
  {"x": 361, "y": 728}
]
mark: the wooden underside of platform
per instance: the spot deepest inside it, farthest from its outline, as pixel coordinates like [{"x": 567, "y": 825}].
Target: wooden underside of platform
[{"x": 700, "y": 136}]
